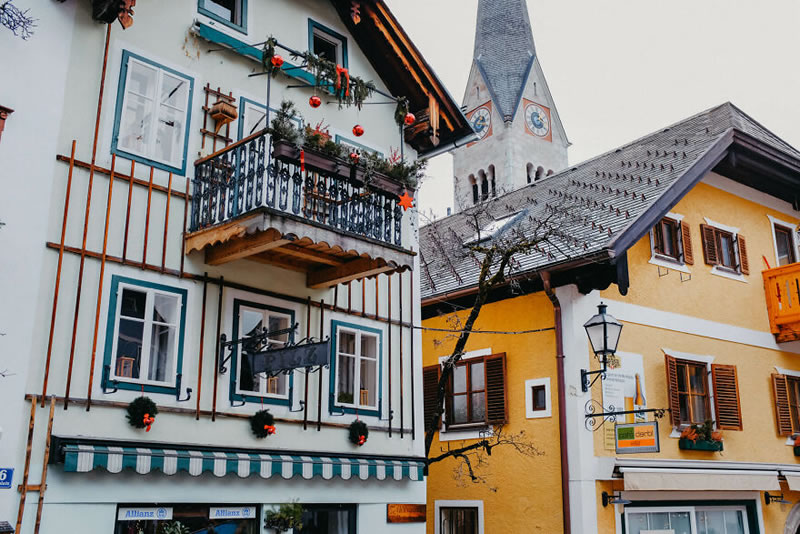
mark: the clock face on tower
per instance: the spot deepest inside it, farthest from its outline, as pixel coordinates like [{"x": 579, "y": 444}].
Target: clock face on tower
[
  {"x": 537, "y": 119},
  {"x": 481, "y": 120}
]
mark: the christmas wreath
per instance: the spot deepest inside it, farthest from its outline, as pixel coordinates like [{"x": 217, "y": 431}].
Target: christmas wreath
[
  {"x": 358, "y": 432},
  {"x": 142, "y": 413},
  {"x": 262, "y": 423}
]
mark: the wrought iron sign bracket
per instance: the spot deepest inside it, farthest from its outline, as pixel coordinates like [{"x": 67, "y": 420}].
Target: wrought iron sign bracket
[
  {"x": 601, "y": 373},
  {"x": 594, "y": 409},
  {"x": 261, "y": 338}
]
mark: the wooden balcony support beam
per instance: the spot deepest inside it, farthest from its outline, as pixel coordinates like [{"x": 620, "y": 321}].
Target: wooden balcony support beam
[
  {"x": 311, "y": 255},
  {"x": 352, "y": 270},
  {"x": 249, "y": 245}
]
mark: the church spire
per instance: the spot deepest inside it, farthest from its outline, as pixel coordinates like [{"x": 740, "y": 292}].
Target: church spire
[{"x": 504, "y": 50}]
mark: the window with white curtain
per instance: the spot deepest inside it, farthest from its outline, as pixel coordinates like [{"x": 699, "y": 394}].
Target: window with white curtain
[{"x": 687, "y": 520}]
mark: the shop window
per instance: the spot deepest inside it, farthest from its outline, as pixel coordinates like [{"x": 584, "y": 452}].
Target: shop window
[
  {"x": 356, "y": 369},
  {"x": 687, "y": 520},
  {"x": 724, "y": 249},
  {"x": 328, "y": 519},
  {"x": 232, "y": 13},
  {"x": 144, "y": 336},
  {"x": 250, "y": 319},
  {"x": 326, "y": 43},
  {"x": 152, "y": 115},
  {"x": 194, "y": 518},
  {"x": 476, "y": 393},
  {"x": 689, "y": 386},
  {"x": 458, "y": 520},
  {"x": 537, "y": 398},
  {"x": 784, "y": 245}
]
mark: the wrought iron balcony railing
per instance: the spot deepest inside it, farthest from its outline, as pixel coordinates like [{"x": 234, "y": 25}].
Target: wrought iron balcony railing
[{"x": 256, "y": 173}]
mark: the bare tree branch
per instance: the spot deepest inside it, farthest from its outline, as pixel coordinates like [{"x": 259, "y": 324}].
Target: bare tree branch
[{"x": 18, "y": 21}]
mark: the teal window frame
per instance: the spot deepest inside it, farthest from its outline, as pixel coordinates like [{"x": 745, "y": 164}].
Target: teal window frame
[
  {"x": 333, "y": 407},
  {"x": 312, "y": 25},
  {"x": 242, "y": 28},
  {"x": 349, "y": 142},
  {"x": 234, "y": 372},
  {"x": 243, "y": 101},
  {"x": 110, "y": 383},
  {"x": 123, "y": 75}
]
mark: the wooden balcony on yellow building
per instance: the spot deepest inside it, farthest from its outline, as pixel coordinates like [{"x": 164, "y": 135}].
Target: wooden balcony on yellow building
[
  {"x": 305, "y": 211},
  {"x": 782, "y": 286}
]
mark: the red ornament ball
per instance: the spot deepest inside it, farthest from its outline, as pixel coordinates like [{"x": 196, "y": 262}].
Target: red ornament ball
[
  {"x": 315, "y": 101},
  {"x": 410, "y": 119},
  {"x": 354, "y": 157},
  {"x": 358, "y": 130},
  {"x": 277, "y": 61}
]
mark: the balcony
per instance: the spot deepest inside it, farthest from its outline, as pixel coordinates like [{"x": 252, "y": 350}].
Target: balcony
[
  {"x": 256, "y": 200},
  {"x": 782, "y": 286}
]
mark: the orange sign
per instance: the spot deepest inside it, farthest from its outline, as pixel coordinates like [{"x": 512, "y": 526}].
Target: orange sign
[{"x": 405, "y": 513}]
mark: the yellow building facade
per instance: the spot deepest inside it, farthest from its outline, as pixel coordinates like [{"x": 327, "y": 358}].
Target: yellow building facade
[{"x": 702, "y": 272}]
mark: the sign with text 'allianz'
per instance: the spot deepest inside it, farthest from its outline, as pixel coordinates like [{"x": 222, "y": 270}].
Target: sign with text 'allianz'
[
  {"x": 237, "y": 512},
  {"x": 137, "y": 514},
  {"x": 637, "y": 437}
]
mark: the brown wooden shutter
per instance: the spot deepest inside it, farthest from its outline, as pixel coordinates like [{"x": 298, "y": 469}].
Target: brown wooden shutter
[
  {"x": 672, "y": 390},
  {"x": 709, "y": 245},
  {"x": 686, "y": 236},
  {"x": 430, "y": 394},
  {"x": 726, "y": 397},
  {"x": 496, "y": 405},
  {"x": 744, "y": 265},
  {"x": 783, "y": 414}
]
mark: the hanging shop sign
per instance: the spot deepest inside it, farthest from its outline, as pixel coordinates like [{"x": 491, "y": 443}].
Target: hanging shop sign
[
  {"x": 405, "y": 513},
  {"x": 6, "y": 476},
  {"x": 289, "y": 358},
  {"x": 624, "y": 390},
  {"x": 637, "y": 437},
  {"x": 236, "y": 512},
  {"x": 135, "y": 514}
]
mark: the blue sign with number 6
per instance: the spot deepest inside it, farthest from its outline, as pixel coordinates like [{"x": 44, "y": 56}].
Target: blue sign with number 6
[{"x": 6, "y": 475}]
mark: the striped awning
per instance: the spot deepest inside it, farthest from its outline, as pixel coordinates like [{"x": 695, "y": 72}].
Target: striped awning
[{"x": 82, "y": 458}]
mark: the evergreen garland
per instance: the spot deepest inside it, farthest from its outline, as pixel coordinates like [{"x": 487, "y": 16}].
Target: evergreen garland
[
  {"x": 358, "y": 432},
  {"x": 267, "y": 53},
  {"x": 262, "y": 423},
  {"x": 138, "y": 409}
]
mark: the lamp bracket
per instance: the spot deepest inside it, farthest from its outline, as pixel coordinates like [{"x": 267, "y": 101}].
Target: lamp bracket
[{"x": 594, "y": 409}]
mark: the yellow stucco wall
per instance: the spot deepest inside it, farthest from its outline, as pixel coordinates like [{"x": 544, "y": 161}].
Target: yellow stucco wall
[
  {"x": 718, "y": 299},
  {"x": 521, "y": 493}
]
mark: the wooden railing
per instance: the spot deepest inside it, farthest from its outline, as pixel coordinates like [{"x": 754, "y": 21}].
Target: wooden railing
[
  {"x": 782, "y": 286},
  {"x": 255, "y": 173}
]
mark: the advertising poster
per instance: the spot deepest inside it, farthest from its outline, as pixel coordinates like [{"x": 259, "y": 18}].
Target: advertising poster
[{"x": 624, "y": 389}]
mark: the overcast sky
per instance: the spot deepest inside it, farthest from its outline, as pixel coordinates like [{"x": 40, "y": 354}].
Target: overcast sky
[{"x": 619, "y": 69}]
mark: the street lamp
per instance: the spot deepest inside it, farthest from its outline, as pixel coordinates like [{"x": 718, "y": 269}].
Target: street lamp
[{"x": 603, "y": 331}]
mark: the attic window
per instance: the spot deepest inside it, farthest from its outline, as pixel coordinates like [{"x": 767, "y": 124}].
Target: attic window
[
  {"x": 326, "y": 43},
  {"x": 490, "y": 230}
]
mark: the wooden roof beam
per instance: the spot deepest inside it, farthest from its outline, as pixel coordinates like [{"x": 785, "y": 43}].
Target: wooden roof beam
[
  {"x": 353, "y": 270},
  {"x": 249, "y": 245}
]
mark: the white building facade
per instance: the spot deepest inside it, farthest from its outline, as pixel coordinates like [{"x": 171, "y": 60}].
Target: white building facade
[{"x": 217, "y": 282}]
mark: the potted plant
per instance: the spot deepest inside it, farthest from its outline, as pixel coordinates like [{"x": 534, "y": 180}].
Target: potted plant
[
  {"x": 701, "y": 438},
  {"x": 288, "y": 516},
  {"x": 797, "y": 445}
]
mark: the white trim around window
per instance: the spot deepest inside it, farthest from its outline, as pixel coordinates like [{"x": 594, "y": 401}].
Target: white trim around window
[
  {"x": 792, "y": 228},
  {"x": 722, "y": 271},
  {"x": 473, "y": 433},
  {"x": 438, "y": 505},
  {"x": 662, "y": 261},
  {"x": 700, "y": 358},
  {"x": 530, "y": 413}
]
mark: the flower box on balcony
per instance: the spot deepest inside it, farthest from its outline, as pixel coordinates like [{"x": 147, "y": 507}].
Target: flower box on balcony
[
  {"x": 324, "y": 163},
  {"x": 797, "y": 450},
  {"x": 699, "y": 445}
]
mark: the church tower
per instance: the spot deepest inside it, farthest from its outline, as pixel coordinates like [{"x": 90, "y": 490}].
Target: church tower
[{"x": 510, "y": 106}]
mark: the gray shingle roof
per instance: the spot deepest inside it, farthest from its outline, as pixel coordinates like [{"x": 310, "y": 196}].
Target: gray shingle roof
[
  {"x": 504, "y": 50},
  {"x": 591, "y": 204}
]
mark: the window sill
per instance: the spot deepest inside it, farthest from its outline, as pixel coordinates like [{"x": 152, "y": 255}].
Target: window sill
[
  {"x": 465, "y": 432},
  {"x": 180, "y": 171},
  {"x": 728, "y": 273},
  {"x": 140, "y": 386},
  {"x": 366, "y": 412},
  {"x": 275, "y": 401},
  {"x": 669, "y": 264}
]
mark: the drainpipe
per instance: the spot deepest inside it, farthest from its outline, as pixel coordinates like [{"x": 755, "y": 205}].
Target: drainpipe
[{"x": 562, "y": 402}]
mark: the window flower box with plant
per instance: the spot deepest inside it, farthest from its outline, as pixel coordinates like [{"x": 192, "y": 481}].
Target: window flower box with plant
[{"x": 701, "y": 438}]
